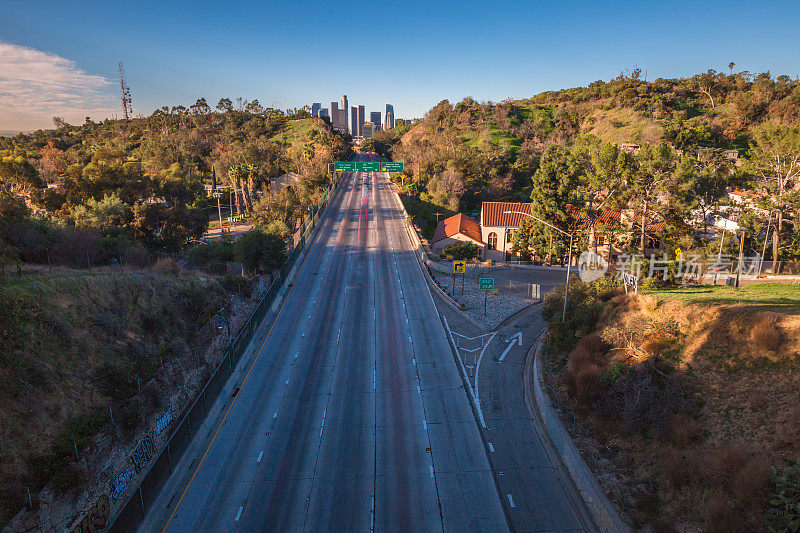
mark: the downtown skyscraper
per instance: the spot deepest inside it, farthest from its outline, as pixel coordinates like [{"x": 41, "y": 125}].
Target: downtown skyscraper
[{"x": 344, "y": 124}]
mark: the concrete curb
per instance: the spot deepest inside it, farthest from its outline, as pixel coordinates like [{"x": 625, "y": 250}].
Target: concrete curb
[{"x": 602, "y": 511}]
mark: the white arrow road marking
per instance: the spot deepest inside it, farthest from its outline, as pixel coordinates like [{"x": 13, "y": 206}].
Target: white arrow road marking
[{"x": 514, "y": 340}]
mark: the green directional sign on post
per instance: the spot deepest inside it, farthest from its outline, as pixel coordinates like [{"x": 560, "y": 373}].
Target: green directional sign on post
[
  {"x": 344, "y": 166},
  {"x": 486, "y": 284},
  {"x": 368, "y": 166},
  {"x": 392, "y": 166}
]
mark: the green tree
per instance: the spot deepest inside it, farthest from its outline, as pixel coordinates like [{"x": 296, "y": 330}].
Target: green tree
[
  {"x": 554, "y": 199},
  {"x": 603, "y": 169},
  {"x": 224, "y": 105},
  {"x": 110, "y": 211},
  {"x": 12, "y": 208},
  {"x": 260, "y": 250},
  {"x": 775, "y": 163},
  {"x": 655, "y": 170}
]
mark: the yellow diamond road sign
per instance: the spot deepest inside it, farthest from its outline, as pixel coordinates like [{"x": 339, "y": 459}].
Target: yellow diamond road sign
[{"x": 459, "y": 267}]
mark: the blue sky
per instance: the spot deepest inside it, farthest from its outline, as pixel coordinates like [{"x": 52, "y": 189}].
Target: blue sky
[{"x": 412, "y": 54}]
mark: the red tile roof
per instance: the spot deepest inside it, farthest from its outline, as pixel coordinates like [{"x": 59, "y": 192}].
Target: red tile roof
[
  {"x": 608, "y": 217},
  {"x": 492, "y": 214},
  {"x": 458, "y": 223}
]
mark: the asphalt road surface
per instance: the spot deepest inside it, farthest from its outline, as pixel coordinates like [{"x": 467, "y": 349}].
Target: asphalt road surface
[{"x": 353, "y": 416}]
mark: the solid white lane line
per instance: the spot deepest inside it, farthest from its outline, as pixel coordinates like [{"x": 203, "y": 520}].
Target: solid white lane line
[
  {"x": 372, "y": 514},
  {"x": 491, "y": 448},
  {"x": 322, "y": 427},
  {"x": 239, "y": 514},
  {"x": 260, "y": 455},
  {"x": 511, "y": 500}
]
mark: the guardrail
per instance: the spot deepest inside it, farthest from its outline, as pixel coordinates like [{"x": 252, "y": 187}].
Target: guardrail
[{"x": 138, "y": 501}]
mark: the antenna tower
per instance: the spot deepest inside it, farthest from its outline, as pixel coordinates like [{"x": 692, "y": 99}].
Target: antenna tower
[{"x": 127, "y": 110}]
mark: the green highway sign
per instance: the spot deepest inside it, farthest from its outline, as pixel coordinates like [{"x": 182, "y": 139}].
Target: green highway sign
[
  {"x": 344, "y": 166},
  {"x": 486, "y": 284},
  {"x": 368, "y": 166},
  {"x": 392, "y": 166},
  {"x": 362, "y": 166}
]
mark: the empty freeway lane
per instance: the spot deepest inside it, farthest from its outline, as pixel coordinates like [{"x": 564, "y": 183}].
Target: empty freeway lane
[{"x": 352, "y": 416}]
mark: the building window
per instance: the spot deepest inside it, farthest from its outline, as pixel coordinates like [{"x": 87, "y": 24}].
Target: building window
[
  {"x": 491, "y": 241},
  {"x": 509, "y": 235}
]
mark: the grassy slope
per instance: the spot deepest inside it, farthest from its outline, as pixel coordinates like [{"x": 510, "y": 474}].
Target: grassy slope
[
  {"x": 777, "y": 297},
  {"x": 622, "y": 125},
  {"x": 74, "y": 343},
  {"x": 742, "y": 361},
  {"x": 297, "y": 131}
]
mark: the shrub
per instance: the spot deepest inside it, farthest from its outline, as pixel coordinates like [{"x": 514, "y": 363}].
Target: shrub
[
  {"x": 587, "y": 384},
  {"x": 751, "y": 483},
  {"x": 216, "y": 251},
  {"x": 649, "y": 284},
  {"x": 722, "y": 516},
  {"x": 585, "y": 303},
  {"x": 766, "y": 333},
  {"x": 724, "y": 462},
  {"x": 784, "y": 501},
  {"x": 679, "y": 467},
  {"x": 646, "y": 397},
  {"x": 460, "y": 251},
  {"x": 259, "y": 251},
  {"x": 684, "y": 430},
  {"x": 167, "y": 264}
]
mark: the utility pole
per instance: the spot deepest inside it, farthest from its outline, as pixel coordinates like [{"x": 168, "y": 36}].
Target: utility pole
[
  {"x": 719, "y": 254},
  {"x": 764, "y": 251},
  {"x": 217, "y": 194},
  {"x": 741, "y": 257}
]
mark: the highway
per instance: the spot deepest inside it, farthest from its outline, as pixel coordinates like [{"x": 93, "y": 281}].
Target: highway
[{"x": 353, "y": 416}]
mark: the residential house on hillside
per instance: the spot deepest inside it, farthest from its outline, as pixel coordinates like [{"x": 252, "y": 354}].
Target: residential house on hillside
[{"x": 457, "y": 228}]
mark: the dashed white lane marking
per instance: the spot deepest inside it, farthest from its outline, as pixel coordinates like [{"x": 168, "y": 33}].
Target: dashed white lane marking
[
  {"x": 322, "y": 427},
  {"x": 510, "y": 501},
  {"x": 431, "y": 469},
  {"x": 419, "y": 390},
  {"x": 491, "y": 448},
  {"x": 260, "y": 455},
  {"x": 425, "y": 424},
  {"x": 414, "y": 361},
  {"x": 287, "y": 381},
  {"x": 239, "y": 514},
  {"x": 275, "y": 415}
]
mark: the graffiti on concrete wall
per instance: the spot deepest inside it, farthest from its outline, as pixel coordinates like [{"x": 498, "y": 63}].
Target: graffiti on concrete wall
[
  {"x": 96, "y": 519},
  {"x": 136, "y": 462},
  {"x": 163, "y": 422}
]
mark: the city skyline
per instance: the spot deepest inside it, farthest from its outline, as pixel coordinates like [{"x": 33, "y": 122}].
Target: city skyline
[{"x": 355, "y": 118}]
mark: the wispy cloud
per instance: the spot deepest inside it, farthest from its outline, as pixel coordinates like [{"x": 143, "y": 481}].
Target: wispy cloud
[{"x": 36, "y": 85}]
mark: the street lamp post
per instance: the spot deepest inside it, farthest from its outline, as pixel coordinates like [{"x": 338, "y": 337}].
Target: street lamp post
[{"x": 569, "y": 254}]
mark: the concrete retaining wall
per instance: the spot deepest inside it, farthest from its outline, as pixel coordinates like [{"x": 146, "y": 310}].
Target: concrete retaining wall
[{"x": 603, "y": 512}]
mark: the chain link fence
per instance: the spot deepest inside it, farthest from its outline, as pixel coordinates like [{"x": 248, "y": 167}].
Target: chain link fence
[{"x": 140, "y": 499}]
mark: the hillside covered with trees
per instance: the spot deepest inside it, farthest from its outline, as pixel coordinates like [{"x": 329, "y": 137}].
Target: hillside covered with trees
[
  {"x": 664, "y": 152},
  {"x": 125, "y": 189}
]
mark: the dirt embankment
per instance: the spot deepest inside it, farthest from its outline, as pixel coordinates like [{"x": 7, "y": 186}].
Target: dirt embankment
[
  {"x": 683, "y": 410},
  {"x": 96, "y": 367}
]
